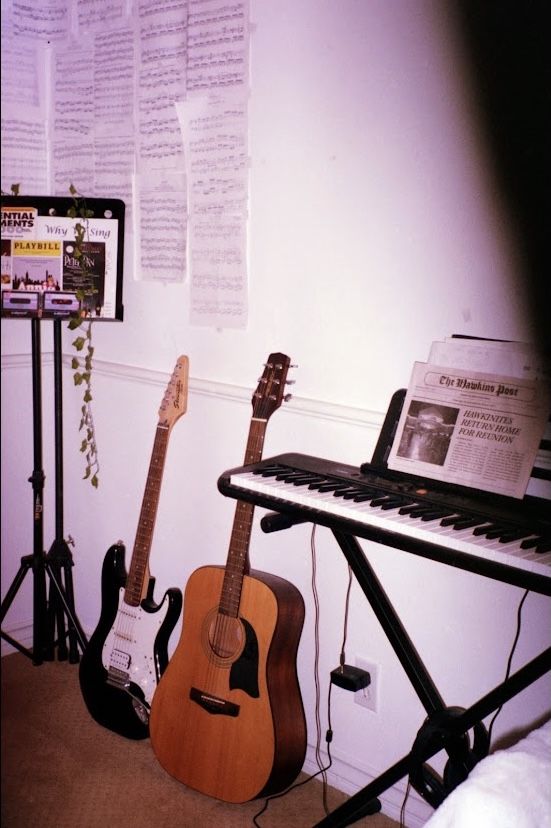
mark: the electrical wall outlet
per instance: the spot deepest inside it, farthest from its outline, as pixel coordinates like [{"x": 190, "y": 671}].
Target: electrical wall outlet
[{"x": 369, "y": 696}]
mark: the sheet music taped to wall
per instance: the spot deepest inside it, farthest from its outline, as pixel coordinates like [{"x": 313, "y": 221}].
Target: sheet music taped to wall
[{"x": 470, "y": 428}]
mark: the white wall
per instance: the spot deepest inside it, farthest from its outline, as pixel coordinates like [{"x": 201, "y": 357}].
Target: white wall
[{"x": 375, "y": 228}]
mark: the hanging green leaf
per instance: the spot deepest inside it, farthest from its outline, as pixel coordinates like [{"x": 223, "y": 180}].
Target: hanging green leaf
[{"x": 83, "y": 344}]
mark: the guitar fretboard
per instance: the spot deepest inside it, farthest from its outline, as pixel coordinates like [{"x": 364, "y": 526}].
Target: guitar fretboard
[
  {"x": 238, "y": 555},
  {"x": 137, "y": 580}
]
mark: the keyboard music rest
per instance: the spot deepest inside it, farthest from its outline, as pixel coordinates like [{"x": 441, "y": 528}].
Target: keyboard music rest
[{"x": 338, "y": 496}]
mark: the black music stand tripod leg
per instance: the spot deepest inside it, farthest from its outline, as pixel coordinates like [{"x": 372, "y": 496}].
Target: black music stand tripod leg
[
  {"x": 29, "y": 563},
  {"x": 34, "y": 563},
  {"x": 47, "y": 615},
  {"x": 61, "y": 605},
  {"x": 59, "y": 561}
]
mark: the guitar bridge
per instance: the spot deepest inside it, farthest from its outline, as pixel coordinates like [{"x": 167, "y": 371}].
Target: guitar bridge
[
  {"x": 213, "y": 704},
  {"x": 117, "y": 678}
]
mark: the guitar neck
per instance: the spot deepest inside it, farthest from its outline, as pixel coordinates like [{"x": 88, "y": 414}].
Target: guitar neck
[
  {"x": 138, "y": 575},
  {"x": 237, "y": 564}
]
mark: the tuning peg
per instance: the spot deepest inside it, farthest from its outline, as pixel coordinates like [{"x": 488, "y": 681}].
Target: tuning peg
[
  {"x": 293, "y": 366},
  {"x": 290, "y": 382},
  {"x": 287, "y": 397},
  {"x": 262, "y": 379}
]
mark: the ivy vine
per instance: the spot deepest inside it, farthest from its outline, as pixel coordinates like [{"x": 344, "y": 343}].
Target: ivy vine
[{"x": 82, "y": 364}]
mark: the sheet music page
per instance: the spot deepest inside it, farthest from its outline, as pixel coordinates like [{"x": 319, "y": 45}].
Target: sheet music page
[
  {"x": 511, "y": 359},
  {"x": 218, "y": 45},
  {"x": 114, "y": 115},
  {"x": 99, "y": 14},
  {"x": 215, "y": 138},
  {"x": 160, "y": 226},
  {"x": 161, "y": 81},
  {"x": 24, "y": 135},
  {"x": 22, "y": 68},
  {"x": 113, "y": 72},
  {"x": 93, "y": 141},
  {"x": 24, "y": 150},
  {"x": 72, "y": 132},
  {"x": 48, "y": 20}
]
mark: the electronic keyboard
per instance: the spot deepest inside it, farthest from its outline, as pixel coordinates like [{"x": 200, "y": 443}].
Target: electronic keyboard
[{"x": 497, "y": 536}]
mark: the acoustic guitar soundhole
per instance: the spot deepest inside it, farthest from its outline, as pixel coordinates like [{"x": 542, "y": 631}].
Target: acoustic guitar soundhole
[{"x": 223, "y": 637}]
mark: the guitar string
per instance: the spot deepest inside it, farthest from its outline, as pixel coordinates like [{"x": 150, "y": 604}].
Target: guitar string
[
  {"x": 225, "y": 642},
  {"x": 124, "y": 629}
]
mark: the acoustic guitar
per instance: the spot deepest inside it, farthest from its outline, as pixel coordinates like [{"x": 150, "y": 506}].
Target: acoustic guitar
[
  {"x": 227, "y": 717},
  {"x": 128, "y": 651}
]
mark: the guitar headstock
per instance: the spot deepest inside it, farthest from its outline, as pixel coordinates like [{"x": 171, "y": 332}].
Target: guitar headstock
[
  {"x": 270, "y": 391},
  {"x": 174, "y": 403}
]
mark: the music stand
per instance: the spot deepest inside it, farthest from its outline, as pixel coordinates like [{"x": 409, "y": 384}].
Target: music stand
[
  {"x": 37, "y": 232},
  {"x": 53, "y": 612}
]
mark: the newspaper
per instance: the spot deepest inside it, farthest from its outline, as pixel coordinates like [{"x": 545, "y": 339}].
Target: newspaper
[{"x": 471, "y": 428}]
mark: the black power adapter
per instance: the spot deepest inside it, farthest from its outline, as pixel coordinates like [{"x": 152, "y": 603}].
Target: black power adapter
[{"x": 350, "y": 678}]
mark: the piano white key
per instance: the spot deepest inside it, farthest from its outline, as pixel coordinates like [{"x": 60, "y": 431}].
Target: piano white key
[{"x": 461, "y": 540}]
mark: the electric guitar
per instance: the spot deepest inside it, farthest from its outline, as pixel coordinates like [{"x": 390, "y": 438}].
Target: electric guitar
[
  {"x": 227, "y": 716},
  {"x": 128, "y": 651}
]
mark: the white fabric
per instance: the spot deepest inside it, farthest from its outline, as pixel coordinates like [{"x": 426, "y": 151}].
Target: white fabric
[{"x": 509, "y": 789}]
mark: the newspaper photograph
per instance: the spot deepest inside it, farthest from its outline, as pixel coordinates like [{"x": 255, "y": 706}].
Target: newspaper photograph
[{"x": 470, "y": 428}]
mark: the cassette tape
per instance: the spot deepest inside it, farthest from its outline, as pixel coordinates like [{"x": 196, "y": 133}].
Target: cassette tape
[
  {"x": 60, "y": 303},
  {"x": 20, "y": 303}
]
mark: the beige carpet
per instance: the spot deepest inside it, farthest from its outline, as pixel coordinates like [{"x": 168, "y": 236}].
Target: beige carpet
[{"x": 60, "y": 769}]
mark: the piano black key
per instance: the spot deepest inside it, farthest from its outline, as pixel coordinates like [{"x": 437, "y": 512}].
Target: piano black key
[
  {"x": 434, "y": 514},
  {"x": 392, "y": 503},
  {"x": 304, "y": 479},
  {"x": 449, "y": 521},
  {"x": 380, "y": 500},
  {"x": 406, "y": 510},
  {"x": 421, "y": 511},
  {"x": 464, "y": 523},
  {"x": 495, "y": 532},
  {"x": 268, "y": 471},
  {"x": 331, "y": 487},
  {"x": 353, "y": 493},
  {"x": 297, "y": 477},
  {"x": 291, "y": 475},
  {"x": 346, "y": 492},
  {"x": 512, "y": 535},
  {"x": 482, "y": 529}
]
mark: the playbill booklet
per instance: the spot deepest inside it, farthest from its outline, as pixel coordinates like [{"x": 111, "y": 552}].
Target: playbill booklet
[{"x": 471, "y": 427}]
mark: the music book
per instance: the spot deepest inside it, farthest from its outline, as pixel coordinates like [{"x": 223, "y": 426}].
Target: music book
[{"x": 477, "y": 428}]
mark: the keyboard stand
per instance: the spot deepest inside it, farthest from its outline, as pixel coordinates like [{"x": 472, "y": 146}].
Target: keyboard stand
[{"x": 445, "y": 728}]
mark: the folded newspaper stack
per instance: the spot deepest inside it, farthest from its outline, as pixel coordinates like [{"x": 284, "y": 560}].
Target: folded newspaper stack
[{"x": 474, "y": 415}]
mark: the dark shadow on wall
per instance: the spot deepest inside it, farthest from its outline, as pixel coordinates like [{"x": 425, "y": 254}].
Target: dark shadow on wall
[{"x": 508, "y": 45}]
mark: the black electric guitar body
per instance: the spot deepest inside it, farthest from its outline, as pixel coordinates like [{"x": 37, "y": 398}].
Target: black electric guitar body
[
  {"x": 124, "y": 707},
  {"x": 128, "y": 651}
]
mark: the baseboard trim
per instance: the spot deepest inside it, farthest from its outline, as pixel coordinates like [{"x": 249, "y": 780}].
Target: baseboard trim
[
  {"x": 22, "y": 633},
  {"x": 349, "y": 776}
]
